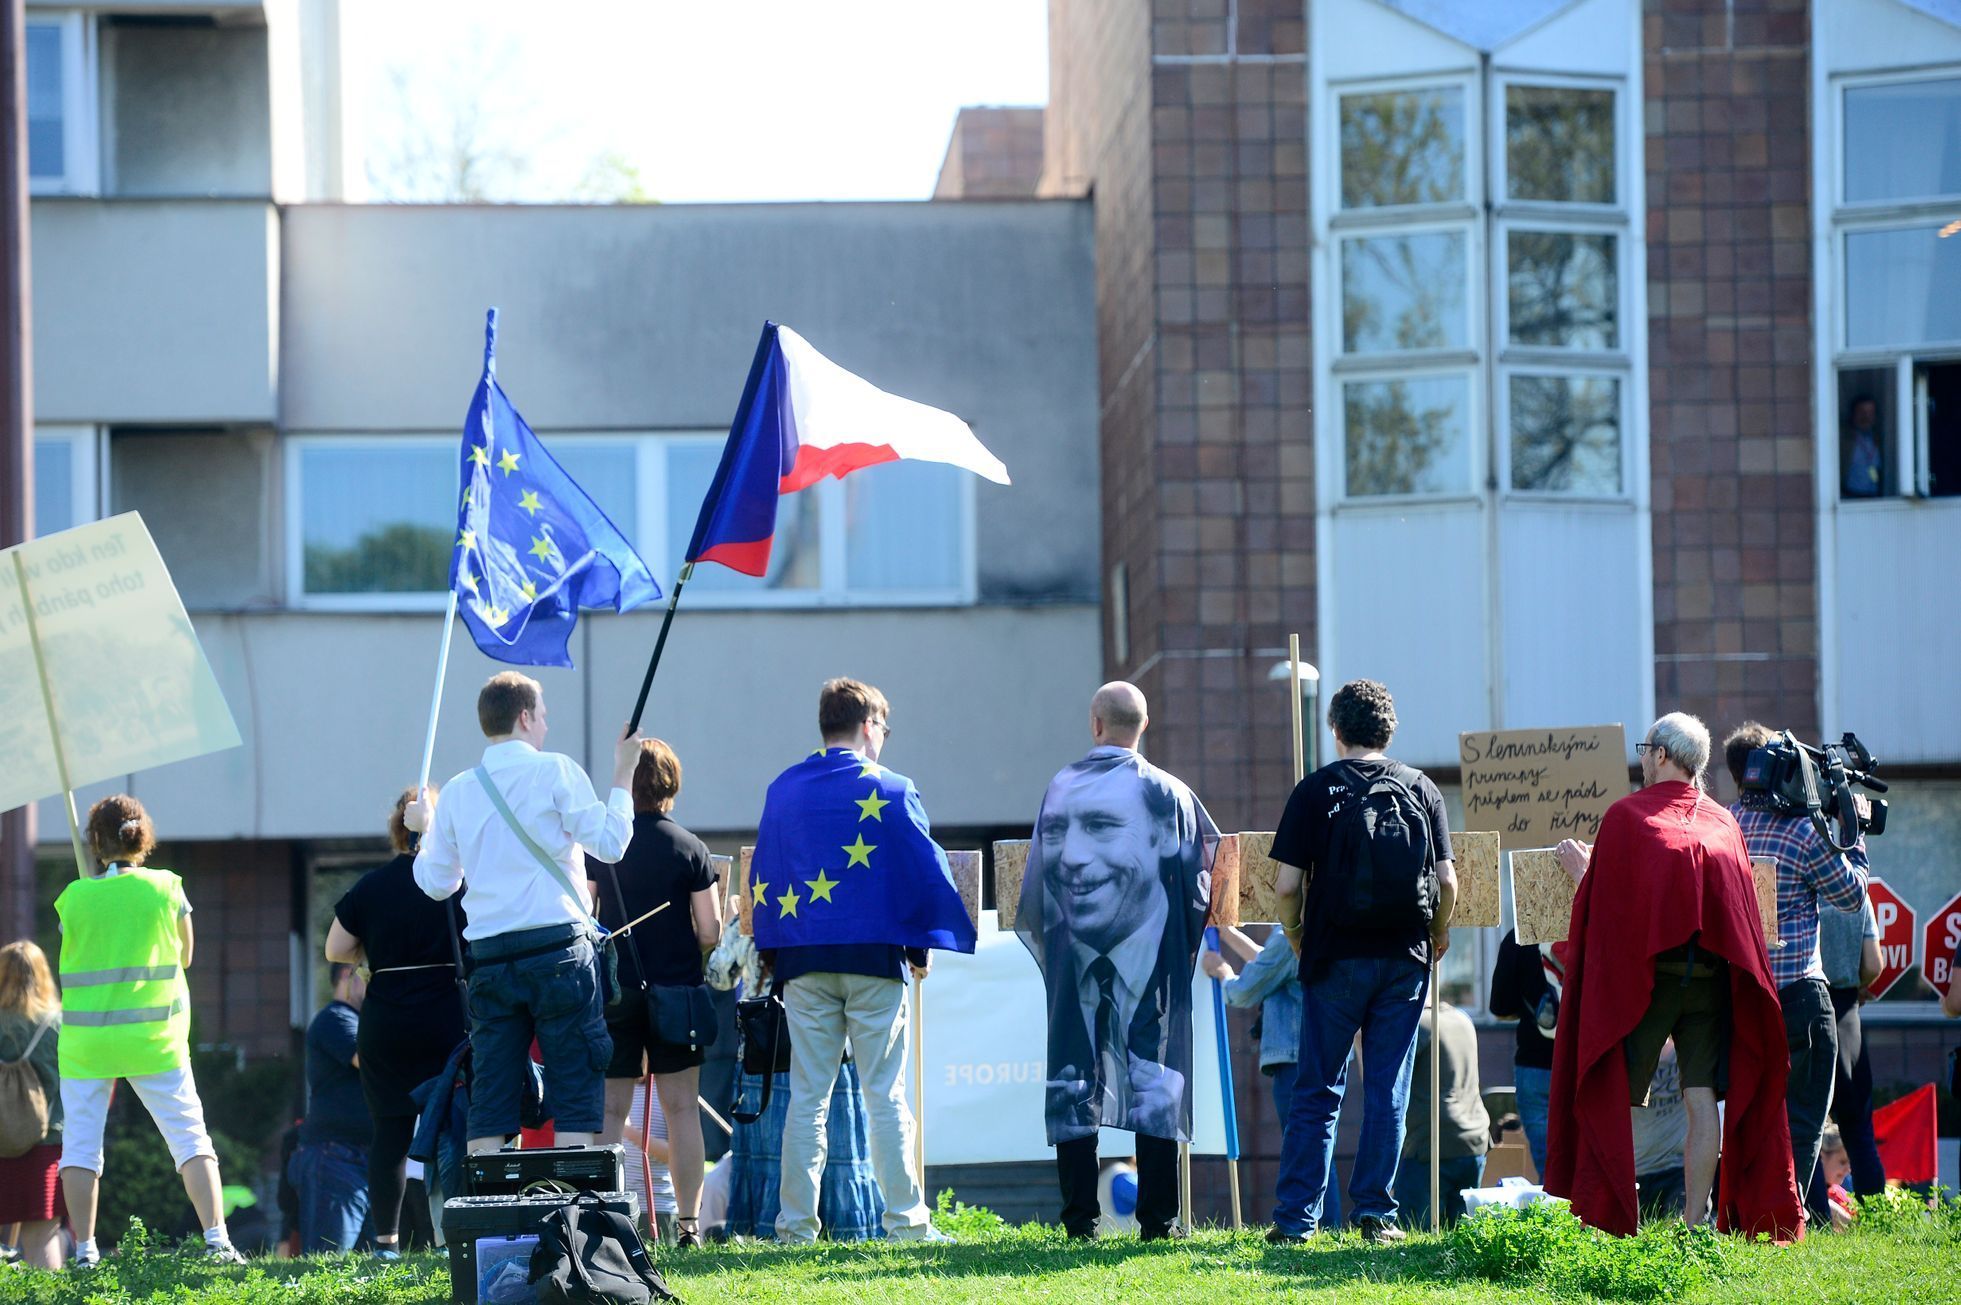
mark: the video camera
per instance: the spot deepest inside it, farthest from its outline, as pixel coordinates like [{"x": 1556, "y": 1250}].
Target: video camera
[{"x": 1801, "y": 780}]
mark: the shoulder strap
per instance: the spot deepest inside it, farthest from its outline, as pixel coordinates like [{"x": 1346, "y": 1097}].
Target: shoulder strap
[
  {"x": 619, "y": 900},
  {"x": 551, "y": 867},
  {"x": 32, "y": 1042}
]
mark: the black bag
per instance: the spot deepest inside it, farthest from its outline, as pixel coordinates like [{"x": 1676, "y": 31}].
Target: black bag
[
  {"x": 765, "y": 1028},
  {"x": 1381, "y": 841},
  {"x": 682, "y": 1016},
  {"x": 590, "y": 1255}
]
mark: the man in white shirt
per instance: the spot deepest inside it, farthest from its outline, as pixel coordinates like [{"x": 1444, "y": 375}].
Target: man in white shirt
[{"x": 532, "y": 967}]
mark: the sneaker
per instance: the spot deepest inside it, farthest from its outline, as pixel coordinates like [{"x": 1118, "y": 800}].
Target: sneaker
[
  {"x": 387, "y": 1253},
  {"x": 1173, "y": 1233},
  {"x": 221, "y": 1253},
  {"x": 1379, "y": 1232},
  {"x": 1281, "y": 1237},
  {"x": 928, "y": 1235},
  {"x": 9, "y": 1255},
  {"x": 88, "y": 1262}
]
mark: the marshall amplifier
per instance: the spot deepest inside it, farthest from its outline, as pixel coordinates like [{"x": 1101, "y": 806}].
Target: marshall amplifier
[
  {"x": 490, "y": 1240},
  {"x": 546, "y": 1169}
]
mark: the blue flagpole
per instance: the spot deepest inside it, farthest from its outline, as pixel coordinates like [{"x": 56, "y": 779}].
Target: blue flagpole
[{"x": 1225, "y": 1079}]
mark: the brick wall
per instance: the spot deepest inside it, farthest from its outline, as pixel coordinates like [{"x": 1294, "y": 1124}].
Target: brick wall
[
  {"x": 995, "y": 153},
  {"x": 241, "y": 895},
  {"x": 1730, "y": 351}
]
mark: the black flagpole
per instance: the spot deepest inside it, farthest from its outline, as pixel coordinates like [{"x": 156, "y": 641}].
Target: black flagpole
[{"x": 653, "y": 664}]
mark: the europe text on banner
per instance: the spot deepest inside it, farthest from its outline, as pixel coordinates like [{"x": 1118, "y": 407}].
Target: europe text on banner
[
  {"x": 802, "y": 418},
  {"x": 532, "y": 548},
  {"x": 128, "y": 686},
  {"x": 844, "y": 854}
]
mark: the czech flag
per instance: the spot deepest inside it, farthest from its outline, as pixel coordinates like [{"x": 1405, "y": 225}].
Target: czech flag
[{"x": 803, "y": 418}]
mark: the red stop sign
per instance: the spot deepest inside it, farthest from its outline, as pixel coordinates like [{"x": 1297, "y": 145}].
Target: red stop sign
[
  {"x": 1937, "y": 946},
  {"x": 1895, "y": 935}
]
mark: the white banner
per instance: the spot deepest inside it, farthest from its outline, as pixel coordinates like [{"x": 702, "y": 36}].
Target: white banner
[{"x": 987, "y": 1059}]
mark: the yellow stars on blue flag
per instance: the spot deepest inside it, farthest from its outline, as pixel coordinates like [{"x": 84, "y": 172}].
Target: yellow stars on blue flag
[
  {"x": 786, "y": 902},
  {"x": 468, "y": 581},
  {"x": 821, "y": 886},
  {"x": 529, "y": 590},
  {"x": 860, "y": 853},
  {"x": 529, "y": 501},
  {"x": 871, "y": 771},
  {"x": 507, "y": 461},
  {"x": 468, "y": 539},
  {"x": 542, "y": 548},
  {"x": 762, "y": 893},
  {"x": 870, "y": 808},
  {"x": 480, "y": 454}
]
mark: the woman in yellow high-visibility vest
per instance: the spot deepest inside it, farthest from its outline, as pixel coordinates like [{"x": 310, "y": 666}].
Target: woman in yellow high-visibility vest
[{"x": 125, "y": 940}]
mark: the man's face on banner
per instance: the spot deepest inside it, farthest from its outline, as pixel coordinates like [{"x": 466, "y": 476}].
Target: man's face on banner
[{"x": 1100, "y": 860}]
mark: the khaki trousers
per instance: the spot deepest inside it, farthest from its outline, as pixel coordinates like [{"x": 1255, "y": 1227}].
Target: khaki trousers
[{"x": 825, "y": 1011}]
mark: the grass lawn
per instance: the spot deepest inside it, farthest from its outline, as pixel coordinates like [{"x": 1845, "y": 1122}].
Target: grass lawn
[{"x": 1906, "y": 1260}]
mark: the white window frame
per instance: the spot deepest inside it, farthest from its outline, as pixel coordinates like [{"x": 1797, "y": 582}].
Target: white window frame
[
  {"x": 1473, "y": 317},
  {"x": 1502, "y": 80},
  {"x": 1503, "y": 226},
  {"x": 1841, "y": 86},
  {"x": 648, "y": 532},
  {"x": 1467, "y": 207},
  {"x": 1565, "y": 367},
  {"x": 81, "y": 134},
  {"x": 87, "y": 465},
  {"x": 1475, "y": 406}
]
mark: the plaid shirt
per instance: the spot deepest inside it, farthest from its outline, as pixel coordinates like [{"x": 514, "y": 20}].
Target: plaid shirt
[{"x": 1807, "y": 870}]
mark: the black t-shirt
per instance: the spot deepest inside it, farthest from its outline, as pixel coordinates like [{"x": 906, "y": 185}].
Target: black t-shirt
[
  {"x": 1302, "y": 841},
  {"x": 663, "y": 863},
  {"x": 399, "y": 925},
  {"x": 1518, "y": 985},
  {"x": 335, "y": 1109}
]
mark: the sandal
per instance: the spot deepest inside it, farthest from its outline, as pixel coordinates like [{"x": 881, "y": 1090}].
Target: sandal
[{"x": 687, "y": 1233}]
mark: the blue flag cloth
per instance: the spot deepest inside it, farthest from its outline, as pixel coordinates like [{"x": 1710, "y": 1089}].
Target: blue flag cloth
[
  {"x": 531, "y": 547},
  {"x": 845, "y": 855}
]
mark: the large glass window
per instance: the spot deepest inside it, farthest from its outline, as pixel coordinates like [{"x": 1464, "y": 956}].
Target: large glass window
[
  {"x": 1423, "y": 246},
  {"x": 65, "y": 492},
  {"x": 1898, "y": 345},
  {"x": 61, "y": 143},
  {"x": 375, "y": 523},
  {"x": 1903, "y": 141}
]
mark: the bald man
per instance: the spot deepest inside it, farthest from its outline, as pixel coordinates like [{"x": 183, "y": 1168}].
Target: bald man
[{"x": 1113, "y": 905}]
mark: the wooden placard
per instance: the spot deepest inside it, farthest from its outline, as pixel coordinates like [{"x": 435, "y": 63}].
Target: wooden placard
[
  {"x": 1257, "y": 872},
  {"x": 1763, "y": 871},
  {"x": 1476, "y": 857},
  {"x": 1225, "y": 883},
  {"x": 1010, "y": 864},
  {"x": 1542, "y": 897},
  {"x": 724, "y": 881},
  {"x": 744, "y": 899},
  {"x": 966, "y": 868},
  {"x": 1536, "y": 787}
]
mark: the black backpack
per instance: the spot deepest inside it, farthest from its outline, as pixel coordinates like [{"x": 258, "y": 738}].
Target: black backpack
[
  {"x": 590, "y": 1255},
  {"x": 1380, "y": 845}
]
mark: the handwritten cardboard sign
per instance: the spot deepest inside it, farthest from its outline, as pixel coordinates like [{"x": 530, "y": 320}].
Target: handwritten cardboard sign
[
  {"x": 1010, "y": 865},
  {"x": 966, "y": 869},
  {"x": 1536, "y": 787},
  {"x": 127, "y": 684},
  {"x": 1542, "y": 897},
  {"x": 1474, "y": 854}
]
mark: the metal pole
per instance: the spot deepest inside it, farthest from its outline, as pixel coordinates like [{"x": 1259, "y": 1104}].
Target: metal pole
[
  {"x": 1228, "y": 1098},
  {"x": 1436, "y": 1079},
  {"x": 1185, "y": 1185},
  {"x": 16, "y": 411},
  {"x": 660, "y": 645},
  {"x": 1294, "y": 678},
  {"x": 919, "y": 1083},
  {"x": 436, "y": 696}
]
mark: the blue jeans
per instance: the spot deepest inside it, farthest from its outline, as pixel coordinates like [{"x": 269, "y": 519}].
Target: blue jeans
[
  {"x": 1381, "y": 998},
  {"x": 1283, "y": 1078},
  {"x": 332, "y": 1180},
  {"x": 553, "y": 997},
  {"x": 1453, "y": 1176},
  {"x": 1534, "y": 1089}
]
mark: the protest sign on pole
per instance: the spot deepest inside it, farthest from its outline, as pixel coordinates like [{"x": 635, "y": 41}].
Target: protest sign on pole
[
  {"x": 101, "y": 673},
  {"x": 1896, "y": 935},
  {"x": 1536, "y": 787},
  {"x": 1542, "y": 897}
]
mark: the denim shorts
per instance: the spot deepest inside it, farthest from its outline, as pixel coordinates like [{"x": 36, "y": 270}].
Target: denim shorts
[{"x": 553, "y": 997}]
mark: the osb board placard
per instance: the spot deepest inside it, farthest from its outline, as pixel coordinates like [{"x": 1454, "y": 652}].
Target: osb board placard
[
  {"x": 1542, "y": 897},
  {"x": 744, "y": 898},
  {"x": 724, "y": 882},
  {"x": 1010, "y": 864},
  {"x": 1536, "y": 787},
  {"x": 1257, "y": 871},
  {"x": 1476, "y": 858},
  {"x": 1764, "y": 872},
  {"x": 1225, "y": 882},
  {"x": 966, "y": 868}
]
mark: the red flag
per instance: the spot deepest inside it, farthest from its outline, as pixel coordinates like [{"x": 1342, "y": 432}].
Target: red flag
[{"x": 1907, "y": 1131}]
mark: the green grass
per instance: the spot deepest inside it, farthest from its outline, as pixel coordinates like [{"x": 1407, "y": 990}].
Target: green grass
[{"x": 1900, "y": 1258}]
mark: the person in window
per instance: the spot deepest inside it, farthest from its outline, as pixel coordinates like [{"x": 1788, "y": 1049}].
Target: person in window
[{"x": 1861, "y": 456}]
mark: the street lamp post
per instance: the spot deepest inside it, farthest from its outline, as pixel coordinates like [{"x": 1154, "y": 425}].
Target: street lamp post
[{"x": 1306, "y": 707}]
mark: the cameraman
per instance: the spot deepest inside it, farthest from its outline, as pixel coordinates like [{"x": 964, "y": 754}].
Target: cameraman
[{"x": 1808, "y": 871}]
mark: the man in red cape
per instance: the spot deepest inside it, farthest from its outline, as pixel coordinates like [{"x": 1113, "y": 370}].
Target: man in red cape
[{"x": 1670, "y": 875}]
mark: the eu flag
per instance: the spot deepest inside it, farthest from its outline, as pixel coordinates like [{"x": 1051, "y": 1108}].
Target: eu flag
[
  {"x": 845, "y": 855},
  {"x": 531, "y": 547}
]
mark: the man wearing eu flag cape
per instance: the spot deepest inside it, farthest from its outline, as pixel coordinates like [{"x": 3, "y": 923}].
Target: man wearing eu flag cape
[
  {"x": 850, "y": 890},
  {"x": 1113, "y": 904}
]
